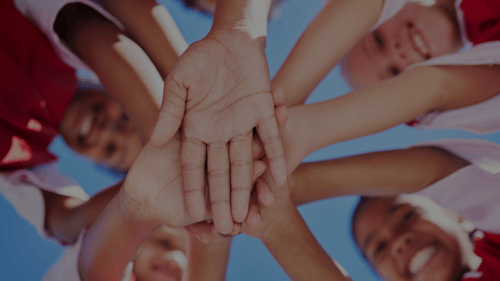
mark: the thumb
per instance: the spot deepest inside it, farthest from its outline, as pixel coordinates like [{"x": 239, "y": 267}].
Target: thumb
[{"x": 171, "y": 112}]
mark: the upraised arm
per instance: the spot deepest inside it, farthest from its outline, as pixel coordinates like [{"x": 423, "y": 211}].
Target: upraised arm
[
  {"x": 289, "y": 240},
  {"x": 386, "y": 104},
  {"x": 337, "y": 27},
  {"x": 373, "y": 174},
  {"x": 123, "y": 67},
  {"x": 153, "y": 28}
]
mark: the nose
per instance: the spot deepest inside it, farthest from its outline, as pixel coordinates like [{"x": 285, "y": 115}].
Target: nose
[
  {"x": 401, "y": 244},
  {"x": 176, "y": 259},
  {"x": 399, "y": 58}
]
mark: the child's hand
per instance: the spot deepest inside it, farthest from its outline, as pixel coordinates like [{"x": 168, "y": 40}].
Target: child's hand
[
  {"x": 271, "y": 216},
  {"x": 219, "y": 89}
]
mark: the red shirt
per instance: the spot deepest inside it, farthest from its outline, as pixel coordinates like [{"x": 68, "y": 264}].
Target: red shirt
[
  {"x": 35, "y": 89},
  {"x": 488, "y": 248}
]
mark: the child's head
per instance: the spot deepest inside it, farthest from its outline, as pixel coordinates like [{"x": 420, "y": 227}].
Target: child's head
[
  {"x": 411, "y": 238},
  {"x": 417, "y": 33},
  {"x": 95, "y": 126},
  {"x": 162, "y": 256}
]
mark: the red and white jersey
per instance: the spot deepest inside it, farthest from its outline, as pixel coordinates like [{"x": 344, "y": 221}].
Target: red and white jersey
[{"x": 488, "y": 248}]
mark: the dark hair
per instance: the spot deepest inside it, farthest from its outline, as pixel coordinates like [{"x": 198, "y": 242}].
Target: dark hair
[{"x": 363, "y": 201}]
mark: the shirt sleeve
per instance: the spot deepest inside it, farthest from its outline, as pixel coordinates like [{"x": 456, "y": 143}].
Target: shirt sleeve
[
  {"x": 23, "y": 189},
  {"x": 44, "y": 13},
  {"x": 390, "y": 9}
]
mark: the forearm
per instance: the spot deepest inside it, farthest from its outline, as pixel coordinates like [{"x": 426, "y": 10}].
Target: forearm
[
  {"x": 380, "y": 173},
  {"x": 299, "y": 254},
  {"x": 362, "y": 112},
  {"x": 122, "y": 66},
  {"x": 153, "y": 28},
  {"x": 207, "y": 262},
  {"x": 111, "y": 243},
  {"x": 67, "y": 216},
  {"x": 323, "y": 44}
]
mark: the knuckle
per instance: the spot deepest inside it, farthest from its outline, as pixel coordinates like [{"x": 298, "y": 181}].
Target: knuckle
[
  {"x": 218, "y": 173},
  {"x": 241, "y": 164},
  {"x": 191, "y": 167}
]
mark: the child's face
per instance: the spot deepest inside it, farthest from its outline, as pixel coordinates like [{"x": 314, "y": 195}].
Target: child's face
[
  {"x": 162, "y": 256},
  {"x": 95, "y": 126},
  {"x": 415, "y": 34},
  {"x": 405, "y": 238}
]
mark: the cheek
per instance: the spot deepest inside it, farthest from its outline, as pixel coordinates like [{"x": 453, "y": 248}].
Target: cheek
[
  {"x": 441, "y": 33},
  {"x": 386, "y": 269}
]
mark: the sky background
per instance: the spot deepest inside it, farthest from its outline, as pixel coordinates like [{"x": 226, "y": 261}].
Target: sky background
[{"x": 26, "y": 256}]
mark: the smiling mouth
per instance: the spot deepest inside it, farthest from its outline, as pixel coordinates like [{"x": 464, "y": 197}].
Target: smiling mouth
[
  {"x": 86, "y": 125},
  {"x": 421, "y": 258},
  {"x": 418, "y": 42}
]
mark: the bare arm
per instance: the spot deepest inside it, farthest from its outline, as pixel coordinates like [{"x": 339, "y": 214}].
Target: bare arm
[
  {"x": 66, "y": 216},
  {"x": 122, "y": 66},
  {"x": 386, "y": 104},
  {"x": 289, "y": 240},
  {"x": 323, "y": 44},
  {"x": 373, "y": 174},
  {"x": 153, "y": 28},
  {"x": 207, "y": 262}
]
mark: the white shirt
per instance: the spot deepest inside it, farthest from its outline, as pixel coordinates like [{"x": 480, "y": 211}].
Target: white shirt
[
  {"x": 43, "y": 14},
  {"x": 22, "y": 188},
  {"x": 473, "y": 191}
]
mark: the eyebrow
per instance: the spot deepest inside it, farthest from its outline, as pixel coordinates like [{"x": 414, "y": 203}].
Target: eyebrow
[{"x": 391, "y": 211}]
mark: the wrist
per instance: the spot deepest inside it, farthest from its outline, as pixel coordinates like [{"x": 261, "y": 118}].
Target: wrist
[
  {"x": 132, "y": 213},
  {"x": 275, "y": 230}
]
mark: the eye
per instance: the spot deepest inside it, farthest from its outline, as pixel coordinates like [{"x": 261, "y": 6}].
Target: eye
[
  {"x": 380, "y": 248},
  {"x": 96, "y": 107},
  {"x": 408, "y": 217},
  {"x": 395, "y": 71},
  {"x": 110, "y": 149},
  {"x": 122, "y": 123},
  {"x": 378, "y": 40}
]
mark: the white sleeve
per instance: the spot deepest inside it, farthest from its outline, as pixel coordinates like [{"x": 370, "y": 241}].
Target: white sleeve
[
  {"x": 482, "y": 54},
  {"x": 22, "y": 189},
  {"x": 44, "y": 13},
  {"x": 391, "y": 8}
]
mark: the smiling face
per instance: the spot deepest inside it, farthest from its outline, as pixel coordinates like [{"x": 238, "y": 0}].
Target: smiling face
[
  {"x": 95, "y": 126},
  {"x": 162, "y": 257},
  {"x": 415, "y": 34},
  {"x": 411, "y": 238}
]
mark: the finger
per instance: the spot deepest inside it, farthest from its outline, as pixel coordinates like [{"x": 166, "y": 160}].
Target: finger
[
  {"x": 271, "y": 140},
  {"x": 257, "y": 148},
  {"x": 253, "y": 217},
  {"x": 202, "y": 230},
  {"x": 259, "y": 168},
  {"x": 278, "y": 96},
  {"x": 171, "y": 112},
  {"x": 236, "y": 229},
  {"x": 281, "y": 116},
  {"x": 193, "y": 153},
  {"x": 218, "y": 183},
  {"x": 264, "y": 193},
  {"x": 240, "y": 153}
]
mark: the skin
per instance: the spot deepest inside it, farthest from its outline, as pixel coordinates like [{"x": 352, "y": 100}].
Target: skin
[
  {"x": 389, "y": 230},
  {"x": 163, "y": 256},
  {"x": 389, "y": 50},
  {"x": 219, "y": 91},
  {"x": 112, "y": 139}
]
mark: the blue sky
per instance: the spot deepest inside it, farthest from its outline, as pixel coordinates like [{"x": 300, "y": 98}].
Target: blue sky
[{"x": 25, "y": 256}]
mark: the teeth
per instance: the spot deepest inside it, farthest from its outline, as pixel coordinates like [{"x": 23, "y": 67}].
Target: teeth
[
  {"x": 420, "y": 43},
  {"x": 421, "y": 258},
  {"x": 86, "y": 125}
]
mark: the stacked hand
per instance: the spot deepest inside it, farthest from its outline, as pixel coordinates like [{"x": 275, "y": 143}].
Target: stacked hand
[
  {"x": 153, "y": 190},
  {"x": 219, "y": 91}
]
